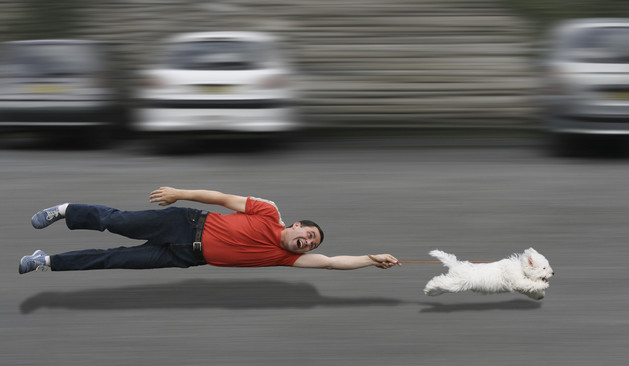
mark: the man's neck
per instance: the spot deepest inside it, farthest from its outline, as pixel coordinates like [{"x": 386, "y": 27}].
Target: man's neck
[{"x": 283, "y": 238}]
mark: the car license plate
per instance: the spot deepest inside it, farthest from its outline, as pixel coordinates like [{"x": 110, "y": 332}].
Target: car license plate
[
  {"x": 45, "y": 89},
  {"x": 214, "y": 89},
  {"x": 619, "y": 95}
]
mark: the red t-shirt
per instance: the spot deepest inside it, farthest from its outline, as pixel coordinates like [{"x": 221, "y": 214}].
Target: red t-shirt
[{"x": 249, "y": 239}]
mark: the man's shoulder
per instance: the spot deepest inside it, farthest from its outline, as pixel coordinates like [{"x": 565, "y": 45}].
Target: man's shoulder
[
  {"x": 261, "y": 206},
  {"x": 263, "y": 201}
]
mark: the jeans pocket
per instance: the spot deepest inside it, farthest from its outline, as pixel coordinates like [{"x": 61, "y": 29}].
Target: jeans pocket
[{"x": 192, "y": 215}]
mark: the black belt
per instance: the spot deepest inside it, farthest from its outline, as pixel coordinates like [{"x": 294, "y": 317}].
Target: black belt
[{"x": 197, "y": 247}]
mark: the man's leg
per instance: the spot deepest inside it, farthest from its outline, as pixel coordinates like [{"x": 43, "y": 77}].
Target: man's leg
[
  {"x": 140, "y": 257},
  {"x": 160, "y": 227},
  {"x": 170, "y": 225}
]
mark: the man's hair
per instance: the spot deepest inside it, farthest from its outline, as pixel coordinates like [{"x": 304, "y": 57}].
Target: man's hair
[{"x": 309, "y": 223}]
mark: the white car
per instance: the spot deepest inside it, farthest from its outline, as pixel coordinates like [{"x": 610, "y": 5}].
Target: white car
[
  {"x": 587, "y": 80},
  {"x": 214, "y": 82}
]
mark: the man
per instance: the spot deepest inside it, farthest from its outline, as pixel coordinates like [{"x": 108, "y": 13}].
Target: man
[{"x": 253, "y": 236}]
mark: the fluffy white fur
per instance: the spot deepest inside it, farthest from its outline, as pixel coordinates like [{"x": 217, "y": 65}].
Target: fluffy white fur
[{"x": 526, "y": 273}]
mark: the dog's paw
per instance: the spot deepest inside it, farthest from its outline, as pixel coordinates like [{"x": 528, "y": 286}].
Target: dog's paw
[
  {"x": 535, "y": 295},
  {"x": 433, "y": 291},
  {"x": 536, "y": 286}
]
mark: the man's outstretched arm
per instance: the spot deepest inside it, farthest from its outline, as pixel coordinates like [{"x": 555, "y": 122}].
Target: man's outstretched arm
[
  {"x": 346, "y": 261},
  {"x": 167, "y": 195}
]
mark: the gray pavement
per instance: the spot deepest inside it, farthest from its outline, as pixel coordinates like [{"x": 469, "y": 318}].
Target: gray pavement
[{"x": 481, "y": 203}]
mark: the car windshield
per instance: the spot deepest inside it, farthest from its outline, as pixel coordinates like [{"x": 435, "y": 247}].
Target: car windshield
[
  {"x": 51, "y": 59},
  {"x": 599, "y": 44},
  {"x": 219, "y": 55}
]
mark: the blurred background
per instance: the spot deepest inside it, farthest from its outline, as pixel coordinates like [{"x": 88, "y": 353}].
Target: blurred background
[
  {"x": 463, "y": 67},
  {"x": 356, "y": 66},
  {"x": 423, "y": 124}
]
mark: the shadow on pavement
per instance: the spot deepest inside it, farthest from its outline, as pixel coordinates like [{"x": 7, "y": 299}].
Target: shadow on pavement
[
  {"x": 192, "y": 294},
  {"x": 436, "y": 307}
]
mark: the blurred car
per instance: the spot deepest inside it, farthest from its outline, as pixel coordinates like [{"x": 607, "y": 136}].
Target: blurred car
[
  {"x": 65, "y": 86},
  {"x": 587, "y": 79},
  {"x": 214, "y": 82}
]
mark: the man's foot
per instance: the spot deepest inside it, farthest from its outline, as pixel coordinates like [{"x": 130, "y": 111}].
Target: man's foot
[
  {"x": 34, "y": 262},
  {"x": 46, "y": 217}
]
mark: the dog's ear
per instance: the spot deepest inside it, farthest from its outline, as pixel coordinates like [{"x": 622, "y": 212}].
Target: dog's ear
[{"x": 528, "y": 255}]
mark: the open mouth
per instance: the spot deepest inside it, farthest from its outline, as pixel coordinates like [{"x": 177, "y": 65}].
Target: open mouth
[
  {"x": 544, "y": 279},
  {"x": 300, "y": 244}
]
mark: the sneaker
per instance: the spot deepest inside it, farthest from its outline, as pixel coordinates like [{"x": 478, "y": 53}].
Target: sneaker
[
  {"x": 46, "y": 217},
  {"x": 34, "y": 262}
]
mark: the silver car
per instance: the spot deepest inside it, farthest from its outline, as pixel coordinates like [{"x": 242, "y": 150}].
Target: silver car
[
  {"x": 587, "y": 79},
  {"x": 59, "y": 87}
]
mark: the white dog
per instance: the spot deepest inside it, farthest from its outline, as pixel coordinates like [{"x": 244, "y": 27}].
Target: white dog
[{"x": 526, "y": 273}]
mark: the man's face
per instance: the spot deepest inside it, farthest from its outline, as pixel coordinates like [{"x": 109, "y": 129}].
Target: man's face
[{"x": 301, "y": 239}]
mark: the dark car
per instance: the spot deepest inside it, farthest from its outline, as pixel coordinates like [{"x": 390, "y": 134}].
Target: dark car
[{"x": 63, "y": 88}]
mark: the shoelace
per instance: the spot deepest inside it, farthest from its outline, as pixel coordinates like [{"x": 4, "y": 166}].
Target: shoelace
[
  {"x": 51, "y": 214},
  {"x": 41, "y": 268}
]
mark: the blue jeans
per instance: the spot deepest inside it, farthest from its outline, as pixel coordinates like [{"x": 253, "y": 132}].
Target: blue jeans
[{"x": 169, "y": 234}]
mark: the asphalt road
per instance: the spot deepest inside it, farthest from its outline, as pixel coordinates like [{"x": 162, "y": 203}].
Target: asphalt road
[{"x": 481, "y": 203}]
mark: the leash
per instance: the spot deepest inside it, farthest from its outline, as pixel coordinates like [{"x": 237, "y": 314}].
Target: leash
[
  {"x": 374, "y": 259},
  {"x": 440, "y": 261}
]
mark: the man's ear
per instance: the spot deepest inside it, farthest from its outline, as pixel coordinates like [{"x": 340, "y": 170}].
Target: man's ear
[{"x": 296, "y": 224}]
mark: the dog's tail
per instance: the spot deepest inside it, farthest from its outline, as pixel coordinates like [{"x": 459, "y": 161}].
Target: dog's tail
[{"x": 447, "y": 259}]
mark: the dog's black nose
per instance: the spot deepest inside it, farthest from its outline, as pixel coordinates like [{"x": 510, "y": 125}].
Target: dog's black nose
[{"x": 553, "y": 273}]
